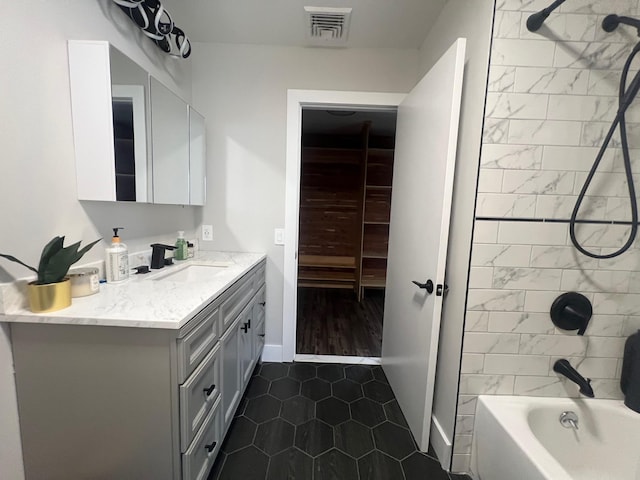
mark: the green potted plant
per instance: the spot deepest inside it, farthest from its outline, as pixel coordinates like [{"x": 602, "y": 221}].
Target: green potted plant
[{"x": 52, "y": 290}]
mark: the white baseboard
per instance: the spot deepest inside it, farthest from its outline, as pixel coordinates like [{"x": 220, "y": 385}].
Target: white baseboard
[
  {"x": 272, "y": 353},
  {"x": 441, "y": 444}
]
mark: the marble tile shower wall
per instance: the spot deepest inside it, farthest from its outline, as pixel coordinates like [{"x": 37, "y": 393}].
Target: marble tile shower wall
[{"x": 552, "y": 96}]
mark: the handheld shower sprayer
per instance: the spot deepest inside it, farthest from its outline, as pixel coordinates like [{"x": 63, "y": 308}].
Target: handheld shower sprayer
[
  {"x": 626, "y": 94},
  {"x": 535, "y": 21},
  {"x": 611, "y": 22}
]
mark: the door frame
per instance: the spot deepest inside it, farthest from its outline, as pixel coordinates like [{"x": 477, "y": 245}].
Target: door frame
[{"x": 296, "y": 101}]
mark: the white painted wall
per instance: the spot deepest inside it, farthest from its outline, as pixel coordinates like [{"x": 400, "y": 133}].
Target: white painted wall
[
  {"x": 37, "y": 184},
  {"x": 472, "y": 20},
  {"x": 242, "y": 91}
]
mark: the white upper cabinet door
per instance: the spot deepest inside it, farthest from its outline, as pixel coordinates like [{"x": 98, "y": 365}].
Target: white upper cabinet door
[
  {"x": 170, "y": 139},
  {"x": 110, "y": 128},
  {"x": 425, "y": 155},
  {"x": 197, "y": 159}
]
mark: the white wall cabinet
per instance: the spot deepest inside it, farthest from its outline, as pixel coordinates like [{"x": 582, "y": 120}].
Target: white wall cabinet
[
  {"x": 135, "y": 140},
  {"x": 126, "y": 402}
]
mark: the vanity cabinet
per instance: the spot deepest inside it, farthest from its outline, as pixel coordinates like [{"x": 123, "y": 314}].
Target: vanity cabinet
[{"x": 134, "y": 403}]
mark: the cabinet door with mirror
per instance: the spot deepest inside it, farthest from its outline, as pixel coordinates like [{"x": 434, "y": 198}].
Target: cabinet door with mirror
[{"x": 132, "y": 135}]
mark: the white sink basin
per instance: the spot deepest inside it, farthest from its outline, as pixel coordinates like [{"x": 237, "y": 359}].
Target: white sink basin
[{"x": 193, "y": 273}]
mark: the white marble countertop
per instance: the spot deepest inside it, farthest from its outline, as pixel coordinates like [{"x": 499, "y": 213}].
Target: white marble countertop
[{"x": 143, "y": 302}]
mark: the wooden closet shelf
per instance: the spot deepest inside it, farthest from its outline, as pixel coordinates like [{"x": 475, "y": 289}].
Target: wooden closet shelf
[
  {"x": 378, "y": 187},
  {"x": 343, "y": 276},
  {"x": 373, "y": 282},
  {"x": 327, "y": 261}
]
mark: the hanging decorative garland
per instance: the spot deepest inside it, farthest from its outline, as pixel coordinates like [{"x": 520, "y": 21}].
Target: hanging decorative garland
[{"x": 156, "y": 23}]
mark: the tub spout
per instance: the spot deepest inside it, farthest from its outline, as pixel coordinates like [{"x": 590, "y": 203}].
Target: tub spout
[{"x": 563, "y": 367}]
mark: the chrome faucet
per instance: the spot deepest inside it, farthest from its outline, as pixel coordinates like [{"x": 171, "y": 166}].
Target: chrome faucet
[
  {"x": 563, "y": 367},
  {"x": 569, "y": 420}
]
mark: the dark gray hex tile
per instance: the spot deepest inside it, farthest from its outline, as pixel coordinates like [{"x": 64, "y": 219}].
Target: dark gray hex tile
[
  {"x": 247, "y": 464},
  {"x": 378, "y": 391},
  {"x": 335, "y": 465},
  {"x": 262, "y": 408},
  {"x": 393, "y": 440},
  {"x": 332, "y": 410},
  {"x": 378, "y": 466},
  {"x": 358, "y": 373},
  {"x": 367, "y": 412},
  {"x": 302, "y": 371},
  {"x": 257, "y": 386},
  {"x": 316, "y": 389},
  {"x": 331, "y": 373},
  {"x": 353, "y": 438},
  {"x": 298, "y": 410},
  {"x": 394, "y": 414},
  {"x": 378, "y": 374},
  {"x": 347, "y": 390},
  {"x": 273, "y": 371},
  {"x": 274, "y": 436},
  {"x": 240, "y": 435},
  {"x": 419, "y": 466},
  {"x": 292, "y": 464},
  {"x": 314, "y": 437},
  {"x": 284, "y": 388}
]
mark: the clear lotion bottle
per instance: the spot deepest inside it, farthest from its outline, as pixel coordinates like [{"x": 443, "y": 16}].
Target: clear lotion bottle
[{"x": 117, "y": 259}]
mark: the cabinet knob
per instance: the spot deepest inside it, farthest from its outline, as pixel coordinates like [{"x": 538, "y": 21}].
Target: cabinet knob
[
  {"x": 210, "y": 447},
  {"x": 263, "y": 303},
  {"x": 209, "y": 391}
]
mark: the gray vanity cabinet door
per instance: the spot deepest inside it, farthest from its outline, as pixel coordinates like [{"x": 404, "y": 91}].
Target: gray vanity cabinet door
[
  {"x": 230, "y": 371},
  {"x": 246, "y": 345}
]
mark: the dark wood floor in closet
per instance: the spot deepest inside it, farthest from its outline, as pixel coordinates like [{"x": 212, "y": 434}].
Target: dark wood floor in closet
[{"x": 332, "y": 322}]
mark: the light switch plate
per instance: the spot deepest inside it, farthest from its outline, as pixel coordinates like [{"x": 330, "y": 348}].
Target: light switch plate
[
  {"x": 207, "y": 233},
  {"x": 279, "y": 236}
]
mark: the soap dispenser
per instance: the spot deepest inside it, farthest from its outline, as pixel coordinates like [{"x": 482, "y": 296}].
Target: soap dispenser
[
  {"x": 181, "y": 252},
  {"x": 630, "y": 377},
  {"x": 117, "y": 259}
]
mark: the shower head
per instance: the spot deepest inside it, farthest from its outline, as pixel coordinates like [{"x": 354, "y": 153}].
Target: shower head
[
  {"x": 611, "y": 22},
  {"x": 535, "y": 21}
]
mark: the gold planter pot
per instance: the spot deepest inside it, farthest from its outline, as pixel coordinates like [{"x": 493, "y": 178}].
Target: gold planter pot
[{"x": 50, "y": 297}]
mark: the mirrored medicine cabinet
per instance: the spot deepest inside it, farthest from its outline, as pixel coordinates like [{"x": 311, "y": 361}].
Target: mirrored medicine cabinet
[{"x": 135, "y": 140}]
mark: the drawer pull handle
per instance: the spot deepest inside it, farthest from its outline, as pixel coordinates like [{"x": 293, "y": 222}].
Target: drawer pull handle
[
  {"x": 211, "y": 446},
  {"x": 244, "y": 328},
  {"x": 249, "y": 323},
  {"x": 209, "y": 391},
  {"x": 263, "y": 303}
]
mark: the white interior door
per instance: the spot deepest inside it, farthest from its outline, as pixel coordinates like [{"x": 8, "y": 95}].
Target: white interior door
[{"x": 426, "y": 137}]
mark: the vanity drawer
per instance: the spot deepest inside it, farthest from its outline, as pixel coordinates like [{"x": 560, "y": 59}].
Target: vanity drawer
[
  {"x": 236, "y": 301},
  {"x": 197, "y": 395},
  {"x": 197, "y": 343},
  {"x": 259, "y": 275},
  {"x": 199, "y": 458}
]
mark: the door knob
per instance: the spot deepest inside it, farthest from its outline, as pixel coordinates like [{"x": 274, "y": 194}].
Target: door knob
[
  {"x": 441, "y": 289},
  {"x": 428, "y": 285}
]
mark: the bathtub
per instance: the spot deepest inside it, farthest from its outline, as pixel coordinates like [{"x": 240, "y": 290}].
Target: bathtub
[{"x": 522, "y": 438}]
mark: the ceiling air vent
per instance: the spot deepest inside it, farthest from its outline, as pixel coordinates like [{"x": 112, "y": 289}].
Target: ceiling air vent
[{"x": 327, "y": 26}]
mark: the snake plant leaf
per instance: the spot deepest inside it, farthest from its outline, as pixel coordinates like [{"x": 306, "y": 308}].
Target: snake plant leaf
[
  {"x": 14, "y": 259},
  {"x": 59, "y": 263},
  {"x": 55, "y": 260},
  {"x": 49, "y": 250}
]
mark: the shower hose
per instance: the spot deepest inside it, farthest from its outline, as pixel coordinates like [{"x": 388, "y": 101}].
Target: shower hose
[{"x": 625, "y": 97}]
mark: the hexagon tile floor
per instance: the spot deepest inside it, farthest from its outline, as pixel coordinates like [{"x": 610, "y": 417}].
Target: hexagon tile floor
[{"x": 307, "y": 421}]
